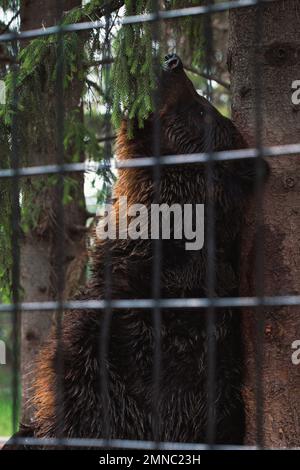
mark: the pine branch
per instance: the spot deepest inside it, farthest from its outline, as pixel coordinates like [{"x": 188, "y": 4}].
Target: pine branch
[
  {"x": 94, "y": 85},
  {"x": 207, "y": 76}
]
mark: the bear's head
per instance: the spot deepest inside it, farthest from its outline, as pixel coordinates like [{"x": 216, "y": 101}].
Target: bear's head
[{"x": 188, "y": 122}]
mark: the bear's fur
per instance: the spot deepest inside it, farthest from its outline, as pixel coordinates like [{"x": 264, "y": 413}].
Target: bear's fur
[{"x": 189, "y": 123}]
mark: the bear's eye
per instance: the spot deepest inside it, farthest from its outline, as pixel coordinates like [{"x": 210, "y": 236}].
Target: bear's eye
[
  {"x": 198, "y": 112},
  {"x": 198, "y": 109}
]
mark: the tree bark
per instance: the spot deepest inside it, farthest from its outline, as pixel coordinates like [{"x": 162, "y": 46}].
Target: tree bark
[
  {"x": 278, "y": 59},
  {"x": 38, "y": 247}
]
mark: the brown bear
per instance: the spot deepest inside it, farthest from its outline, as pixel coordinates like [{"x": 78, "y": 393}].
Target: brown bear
[{"x": 74, "y": 403}]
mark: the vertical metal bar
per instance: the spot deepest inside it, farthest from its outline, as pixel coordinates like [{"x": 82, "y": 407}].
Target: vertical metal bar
[
  {"x": 259, "y": 233},
  {"x": 60, "y": 229},
  {"x": 157, "y": 245},
  {"x": 15, "y": 221},
  {"x": 210, "y": 262},
  {"x": 107, "y": 314}
]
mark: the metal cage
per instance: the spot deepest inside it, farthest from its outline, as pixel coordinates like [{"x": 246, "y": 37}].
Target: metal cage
[{"x": 156, "y": 304}]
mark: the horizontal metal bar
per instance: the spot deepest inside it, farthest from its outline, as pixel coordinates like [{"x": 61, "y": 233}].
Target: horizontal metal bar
[
  {"x": 123, "y": 444},
  {"x": 161, "y": 15},
  {"x": 133, "y": 444},
  {"x": 142, "y": 162},
  {"x": 221, "y": 302},
  {"x": 192, "y": 11}
]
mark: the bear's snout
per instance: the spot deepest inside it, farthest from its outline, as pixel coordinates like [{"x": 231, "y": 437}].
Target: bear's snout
[{"x": 172, "y": 62}]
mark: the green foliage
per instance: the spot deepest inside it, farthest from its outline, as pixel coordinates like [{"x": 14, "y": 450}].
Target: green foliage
[
  {"x": 35, "y": 82},
  {"x": 81, "y": 139},
  {"x": 133, "y": 74},
  {"x": 6, "y": 428},
  {"x": 5, "y": 225},
  {"x": 37, "y": 111}
]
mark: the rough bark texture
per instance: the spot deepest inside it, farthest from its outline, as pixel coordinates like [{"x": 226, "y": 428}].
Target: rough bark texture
[
  {"x": 278, "y": 56},
  {"x": 38, "y": 248}
]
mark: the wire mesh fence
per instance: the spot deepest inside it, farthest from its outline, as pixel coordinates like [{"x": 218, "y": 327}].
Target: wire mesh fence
[{"x": 207, "y": 305}]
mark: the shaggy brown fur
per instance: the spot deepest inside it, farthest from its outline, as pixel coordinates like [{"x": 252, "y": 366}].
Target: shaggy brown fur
[{"x": 189, "y": 124}]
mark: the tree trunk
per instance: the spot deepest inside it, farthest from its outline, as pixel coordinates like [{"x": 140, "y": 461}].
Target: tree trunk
[
  {"x": 278, "y": 58},
  {"x": 38, "y": 247}
]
